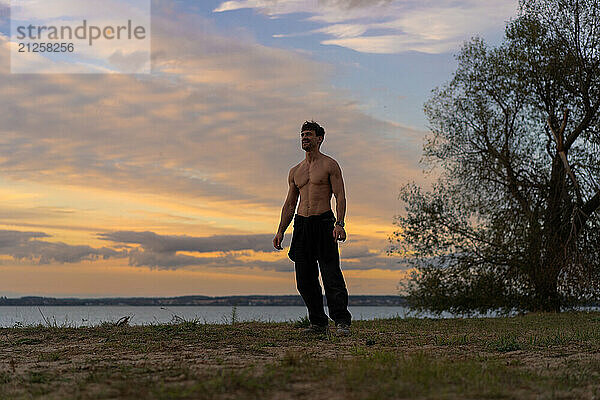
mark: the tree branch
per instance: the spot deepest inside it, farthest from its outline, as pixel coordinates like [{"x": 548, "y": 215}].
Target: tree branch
[
  {"x": 560, "y": 149},
  {"x": 585, "y": 122},
  {"x": 590, "y": 207}
]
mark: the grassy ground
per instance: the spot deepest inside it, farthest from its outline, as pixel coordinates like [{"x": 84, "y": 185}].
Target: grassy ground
[{"x": 537, "y": 356}]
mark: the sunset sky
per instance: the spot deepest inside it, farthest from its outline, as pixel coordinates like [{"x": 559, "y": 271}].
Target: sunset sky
[{"x": 172, "y": 183}]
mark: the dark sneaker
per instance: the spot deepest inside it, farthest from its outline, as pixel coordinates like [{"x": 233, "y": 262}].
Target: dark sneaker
[
  {"x": 342, "y": 329},
  {"x": 318, "y": 329}
]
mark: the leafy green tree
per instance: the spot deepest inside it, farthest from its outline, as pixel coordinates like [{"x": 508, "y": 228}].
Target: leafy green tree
[{"x": 513, "y": 220}]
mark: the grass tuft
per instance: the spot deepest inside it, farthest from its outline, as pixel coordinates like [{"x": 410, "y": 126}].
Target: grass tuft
[
  {"x": 50, "y": 356},
  {"x": 302, "y": 322},
  {"x": 506, "y": 343}
]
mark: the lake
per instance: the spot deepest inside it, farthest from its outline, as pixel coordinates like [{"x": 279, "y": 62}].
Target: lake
[{"x": 76, "y": 316}]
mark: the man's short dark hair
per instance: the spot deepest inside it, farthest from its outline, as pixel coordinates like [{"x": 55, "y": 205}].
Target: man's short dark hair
[{"x": 313, "y": 126}]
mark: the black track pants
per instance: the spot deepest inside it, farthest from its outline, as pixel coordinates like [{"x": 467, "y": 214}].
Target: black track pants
[{"x": 313, "y": 241}]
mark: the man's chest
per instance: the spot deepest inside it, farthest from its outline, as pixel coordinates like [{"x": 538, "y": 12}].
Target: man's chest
[{"x": 313, "y": 174}]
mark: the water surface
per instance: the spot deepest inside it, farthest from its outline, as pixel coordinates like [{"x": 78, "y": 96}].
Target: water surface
[{"x": 142, "y": 315}]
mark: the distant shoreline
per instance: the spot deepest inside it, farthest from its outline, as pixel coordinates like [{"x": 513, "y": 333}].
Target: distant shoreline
[{"x": 249, "y": 300}]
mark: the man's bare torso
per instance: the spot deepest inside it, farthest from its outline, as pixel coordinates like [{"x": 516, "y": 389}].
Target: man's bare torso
[{"x": 314, "y": 184}]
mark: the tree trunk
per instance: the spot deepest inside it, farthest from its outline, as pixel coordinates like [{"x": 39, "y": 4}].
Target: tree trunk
[
  {"x": 547, "y": 296},
  {"x": 555, "y": 236}
]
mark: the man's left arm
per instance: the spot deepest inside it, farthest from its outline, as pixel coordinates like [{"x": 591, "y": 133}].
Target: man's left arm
[{"x": 337, "y": 186}]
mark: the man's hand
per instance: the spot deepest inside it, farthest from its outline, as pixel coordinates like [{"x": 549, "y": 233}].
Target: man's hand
[
  {"x": 339, "y": 233},
  {"x": 277, "y": 241}
]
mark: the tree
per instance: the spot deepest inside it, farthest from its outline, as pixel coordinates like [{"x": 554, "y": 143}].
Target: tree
[{"x": 512, "y": 221}]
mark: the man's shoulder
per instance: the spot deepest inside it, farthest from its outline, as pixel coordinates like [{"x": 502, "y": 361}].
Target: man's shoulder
[
  {"x": 331, "y": 162},
  {"x": 295, "y": 167}
]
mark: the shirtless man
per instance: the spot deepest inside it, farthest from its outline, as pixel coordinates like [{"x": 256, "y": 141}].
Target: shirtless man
[{"x": 316, "y": 232}]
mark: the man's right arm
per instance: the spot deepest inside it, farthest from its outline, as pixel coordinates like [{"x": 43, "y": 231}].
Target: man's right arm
[{"x": 289, "y": 207}]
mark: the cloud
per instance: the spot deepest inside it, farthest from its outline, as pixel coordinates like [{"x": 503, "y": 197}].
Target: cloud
[
  {"x": 170, "y": 260},
  {"x": 10, "y": 239},
  {"x": 27, "y": 246},
  {"x": 343, "y": 30},
  {"x": 348, "y": 4},
  {"x": 134, "y": 61},
  {"x": 431, "y": 26},
  {"x": 154, "y": 250},
  {"x": 172, "y": 243},
  {"x": 357, "y": 251},
  {"x": 278, "y": 7},
  {"x": 386, "y": 44},
  {"x": 163, "y": 251}
]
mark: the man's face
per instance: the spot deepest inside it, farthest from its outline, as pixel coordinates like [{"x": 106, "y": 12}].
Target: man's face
[{"x": 310, "y": 140}]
